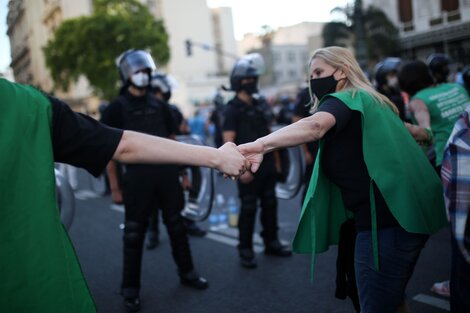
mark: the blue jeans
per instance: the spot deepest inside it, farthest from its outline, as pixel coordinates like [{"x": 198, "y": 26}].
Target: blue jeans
[{"x": 382, "y": 291}]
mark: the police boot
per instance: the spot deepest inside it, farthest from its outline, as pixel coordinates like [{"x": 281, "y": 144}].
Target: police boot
[
  {"x": 131, "y": 299},
  {"x": 193, "y": 229},
  {"x": 193, "y": 280},
  {"x": 134, "y": 235},
  {"x": 246, "y": 226},
  {"x": 247, "y": 257},
  {"x": 132, "y": 304},
  {"x": 276, "y": 248}
]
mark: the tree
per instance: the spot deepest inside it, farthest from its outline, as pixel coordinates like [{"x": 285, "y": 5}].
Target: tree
[
  {"x": 381, "y": 36},
  {"x": 89, "y": 45}
]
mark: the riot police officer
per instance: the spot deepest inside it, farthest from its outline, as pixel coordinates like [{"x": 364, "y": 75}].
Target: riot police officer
[
  {"x": 438, "y": 63},
  {"x": 161, "y": 88},
  {"x": 386, "y": 82},
  {"x": 145, "y": 185},
  {"x": 245, "y": 120}
]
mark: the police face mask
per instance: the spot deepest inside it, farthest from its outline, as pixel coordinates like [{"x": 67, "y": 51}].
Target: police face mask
[
  {"x": 250, "y": 87},
  {"x": 323, "y": 86},
  {"x": 140, "y": 79},
  {"x": 392, "y": 81}
]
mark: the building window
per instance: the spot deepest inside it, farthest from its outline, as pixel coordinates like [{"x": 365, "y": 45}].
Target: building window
[
  {"x": 449, "y": 5},
  {"x": 276, "y": 57},
  {"x": 292, "y": 74},
  {"x": 291, "y": 56},
  {"x": 405, "y": 10}
]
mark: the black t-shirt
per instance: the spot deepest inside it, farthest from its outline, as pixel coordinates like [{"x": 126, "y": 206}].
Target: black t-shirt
[
  {"x": 343, "y": 163},
  {"x": 80, "y": 140}
]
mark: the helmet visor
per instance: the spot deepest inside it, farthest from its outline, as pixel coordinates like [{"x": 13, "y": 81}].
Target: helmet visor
[{"x": 135, "y": 61}]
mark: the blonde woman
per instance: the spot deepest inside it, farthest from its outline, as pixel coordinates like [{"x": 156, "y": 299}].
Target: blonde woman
[{"x": 368, "y": 167}]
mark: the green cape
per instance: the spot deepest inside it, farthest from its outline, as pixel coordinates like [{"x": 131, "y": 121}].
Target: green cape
[
  {"x": 395, "y": 162},
  {"x": 39, "y": 270}
]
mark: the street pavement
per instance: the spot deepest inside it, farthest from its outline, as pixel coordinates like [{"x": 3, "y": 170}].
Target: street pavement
[{"x": 278, "y": 285}]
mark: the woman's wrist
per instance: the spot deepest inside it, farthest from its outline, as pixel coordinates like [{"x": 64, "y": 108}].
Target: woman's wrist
[{"x": 263, "y": 145}]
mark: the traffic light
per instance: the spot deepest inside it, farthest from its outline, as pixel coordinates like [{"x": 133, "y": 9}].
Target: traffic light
[{"x": 189, "y": 47}]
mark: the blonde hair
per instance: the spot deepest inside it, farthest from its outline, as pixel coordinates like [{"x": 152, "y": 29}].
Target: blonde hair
[{"x": 343, "y": 59}]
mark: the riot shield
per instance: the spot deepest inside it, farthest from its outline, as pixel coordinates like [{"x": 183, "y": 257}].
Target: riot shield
[
  {"x": 199, "y": 199},
  {"x": 65, "y": 199},
  {"x": 293, "y": 163}
]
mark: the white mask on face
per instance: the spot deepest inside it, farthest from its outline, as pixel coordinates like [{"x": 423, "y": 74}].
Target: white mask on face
[
  {"x": 140, "y": 79},
  {"x": 392, "y": 81}
]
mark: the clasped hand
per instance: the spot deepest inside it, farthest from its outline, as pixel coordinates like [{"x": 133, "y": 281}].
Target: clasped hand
[{"x": 236, "y": 160}]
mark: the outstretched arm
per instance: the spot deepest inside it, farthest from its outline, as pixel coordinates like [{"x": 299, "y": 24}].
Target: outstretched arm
[
  {"x": 308, "y": 129},
  {"x": 136, "y": 147}
]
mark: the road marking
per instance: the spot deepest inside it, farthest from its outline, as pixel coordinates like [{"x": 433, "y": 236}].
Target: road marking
[
  {"x": 117, "y": 207},
  {"x": 432, "y": 301},
  {"x": 230, "y": 241},
  {"x": 85, "y": 194},
  {"x": 229, "y": 236}
]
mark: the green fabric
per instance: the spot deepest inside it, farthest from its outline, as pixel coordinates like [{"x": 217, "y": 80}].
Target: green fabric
[
  {"x": 39, "y": 271},
  {"x": 395, "y": 162},
  {"x": 445, "y": 103}
]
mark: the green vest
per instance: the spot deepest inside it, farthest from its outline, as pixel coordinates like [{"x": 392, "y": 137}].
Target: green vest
[
  {"x": 39, "y": 271},
  {"x": 395, "y": 162},
  {"x": 445, "y": 103}
]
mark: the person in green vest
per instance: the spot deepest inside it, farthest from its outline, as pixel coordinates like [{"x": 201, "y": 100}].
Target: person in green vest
[
  {"x": 368, "y": 167},
  {"x": 434, "y": 107},
  {"x": 39, "y": 269}
]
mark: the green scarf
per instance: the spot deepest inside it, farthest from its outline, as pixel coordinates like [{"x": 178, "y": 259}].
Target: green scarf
[
  {"x": 395, "y": 162},
  {"x": 39, "y": 270}
]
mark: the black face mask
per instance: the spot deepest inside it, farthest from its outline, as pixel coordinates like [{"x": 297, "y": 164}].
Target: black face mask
[
  {"x": 250, "y": 88},
  {"x": 323, "y": 86},
  {"x": 167, "y": 96}
]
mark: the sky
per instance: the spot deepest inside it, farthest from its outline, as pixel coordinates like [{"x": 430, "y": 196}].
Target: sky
[
  {"x": 4, "y": 42},
  {"x": 248, "y": 16},
  {"x": 251, "y": 15}
]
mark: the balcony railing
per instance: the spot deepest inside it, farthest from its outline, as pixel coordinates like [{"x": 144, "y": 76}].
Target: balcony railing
[{"x": 445, "y": 17}]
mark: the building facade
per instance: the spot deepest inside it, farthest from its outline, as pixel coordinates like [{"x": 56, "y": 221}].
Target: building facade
[
  {"x": 428, "y": 26},
  {"x": 286, "y": 52},
  {"x": 31, "y": 23}
]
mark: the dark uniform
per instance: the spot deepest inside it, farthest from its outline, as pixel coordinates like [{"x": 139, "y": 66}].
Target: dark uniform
[
  {"x": 250, "y": 123},
  {"x": 146, "y": 187},
  {"x": 386, "y": 81},
  {"x": 161, "y": 88},
  {"x": 249, "y": 120}
]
